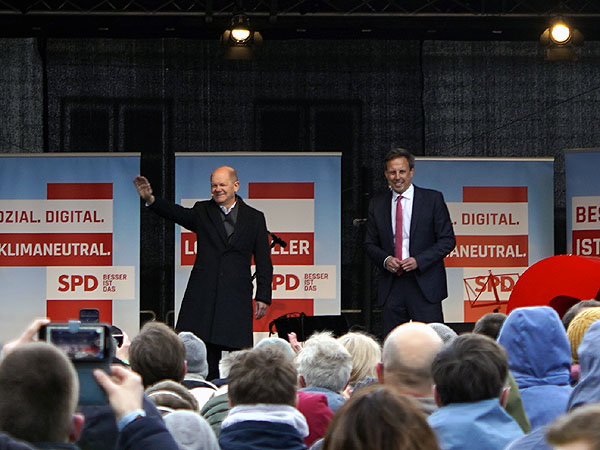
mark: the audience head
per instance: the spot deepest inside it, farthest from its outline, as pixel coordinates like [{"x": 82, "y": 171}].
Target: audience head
[
  {"x": 157, "y": 354},
  {"x": 379, "y": 418},
  {"x": 279, "y": 343},
  {"x": 191, "y": 431},
  {"x": 407, "y": 355},
  {"x": 446, "y": 333},
  {"x": 228, "y": 361},
  {"x": 365, "y": 352},
  {"x": 578, "y": 326},
  {"x": 39, "y": 390},
  {"x": 576, "y": 309},
  {"x": 263, "y": 375},
  {"x": 324, "y": 363},
  {"x": 168, "y": 396},
  {"x": 490, "y": 324},
  {"x": 195, "y": 353},
  {"x": 577, "y": 430},
  {"x": 471, "y": 368}
]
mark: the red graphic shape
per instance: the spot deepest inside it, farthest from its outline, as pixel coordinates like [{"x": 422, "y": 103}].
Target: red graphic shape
[
  {"x": 281, "y": 190},
  {"x": 79, "y": 191},
  {"x": 65, "y": 310},
  {"x": 48, "y": 245},
  {"x": 280, "y": 307},
  {"x": 558, "y": 281}
]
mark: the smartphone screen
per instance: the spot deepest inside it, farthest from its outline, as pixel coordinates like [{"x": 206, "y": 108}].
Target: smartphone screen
[{"x": 86, "y": 344}]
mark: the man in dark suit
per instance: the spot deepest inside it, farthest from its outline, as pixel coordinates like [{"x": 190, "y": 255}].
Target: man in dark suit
[
  {"x": 217, "y": 304},
  {"x": 409, "y": 233}
]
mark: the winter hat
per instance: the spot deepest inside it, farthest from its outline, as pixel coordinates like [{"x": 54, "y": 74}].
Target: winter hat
[
  {"x": 195, "y": 353},
  {"x": 191, "y": 431},
  {"x": 446, "y": 333},
  {"x": 579, "y": 326}
]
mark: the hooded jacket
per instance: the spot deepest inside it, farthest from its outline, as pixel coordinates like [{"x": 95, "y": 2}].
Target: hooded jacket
[{"x": 539, "y": 357}]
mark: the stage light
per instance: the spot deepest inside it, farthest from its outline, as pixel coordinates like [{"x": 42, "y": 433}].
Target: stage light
[
  {"x": 240, "y": 41},
  {"x": 560, "y": 40}
]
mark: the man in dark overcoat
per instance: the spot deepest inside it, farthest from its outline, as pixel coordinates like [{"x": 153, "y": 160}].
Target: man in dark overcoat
[{"x": 217, "y": 304}]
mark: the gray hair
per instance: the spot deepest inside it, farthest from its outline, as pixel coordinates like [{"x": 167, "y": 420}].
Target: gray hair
[{"x": 324, "y": 362}]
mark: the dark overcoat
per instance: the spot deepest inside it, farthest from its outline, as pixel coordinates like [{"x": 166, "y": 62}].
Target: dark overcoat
[{"x": 217, "y": 304}]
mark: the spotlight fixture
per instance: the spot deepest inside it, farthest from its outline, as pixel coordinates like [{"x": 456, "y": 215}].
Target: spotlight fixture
[
  {"x": 240, "y": 41},
  {"x": 560, "y": 41}
]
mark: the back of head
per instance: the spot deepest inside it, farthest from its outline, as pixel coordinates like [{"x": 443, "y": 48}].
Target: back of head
[
  {"x": 581, "y": 425},
  {"x": 446, "y": 333},
  {"x": 191, "y": 431},
  {"x": 168, "y": 396},
  {"x": 379, "y": 418},
  {"x": 228, "y": 361},
  {"x": 587, "y": 390},
  {"x": 279, "y": 343},
  {"x": 490, "y": 324},
  {"x": 195, "y": 353},
  {"x": 578, "y": 326},
  {"x": 407, "y": 355},
  {"x": 365, "y": 352},
  {"x": 263, "y": 375},
  {"x": 471, "y": 368},
  {"x": 324, "y": 363},
  {"x": 576, "y": 309},
  {"x": 157, "y": 354},
  {"x": 39, "y": 389}
]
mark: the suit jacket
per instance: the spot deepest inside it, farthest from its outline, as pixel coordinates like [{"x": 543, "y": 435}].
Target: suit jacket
[
  {"x": 431, "y": 239},
  {"x": 217, "y": 304}
]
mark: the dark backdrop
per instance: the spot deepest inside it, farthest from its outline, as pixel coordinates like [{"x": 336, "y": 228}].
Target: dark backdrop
[{"x": 358, "y": 97}]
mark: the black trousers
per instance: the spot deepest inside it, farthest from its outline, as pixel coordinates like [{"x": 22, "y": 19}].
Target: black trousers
[
  {"x": 213, "y": 356},
  {"x": 406, "y": 302}
]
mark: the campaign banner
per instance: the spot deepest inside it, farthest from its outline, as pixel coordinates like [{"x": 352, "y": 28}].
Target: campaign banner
[
  {"x": 583, "y": 201},
  {"x": 299, "y": 195},
  {"x": 502, "y": 211},
  {"x": 69, "y": 239}
]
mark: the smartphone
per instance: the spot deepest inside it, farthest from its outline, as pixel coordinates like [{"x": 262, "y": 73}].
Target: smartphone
[
  {"x": 89, "y": 315},
  {"x": 89, "y": 346}
]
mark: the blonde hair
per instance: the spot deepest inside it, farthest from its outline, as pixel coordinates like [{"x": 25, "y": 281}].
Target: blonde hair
[{"x": 365, "y": 352}]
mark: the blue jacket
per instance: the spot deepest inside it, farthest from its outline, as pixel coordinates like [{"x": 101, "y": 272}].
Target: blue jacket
[
  {"x": 586, "y": 391},
  {"x": 474, "y": 426},
  {"x": 539, "y": 357},
  {"x": 260, "y": 435}
]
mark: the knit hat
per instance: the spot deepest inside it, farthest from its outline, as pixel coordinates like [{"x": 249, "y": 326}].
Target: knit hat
[
  {"x": 444, "y": 331},
  {"x": 168, "y": 395},
  {"x": 191, "y": 431},
  {"x": 579, "y": 326},
  {"x": 195, "y": 353}
]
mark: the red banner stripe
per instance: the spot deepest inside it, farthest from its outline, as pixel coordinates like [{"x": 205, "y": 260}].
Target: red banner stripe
[
  {"x": 61, "y": 249},
  {"x": 281, "y": 190},
  {"x": 65, "y": 310},
  {"x": 494, "y": 194},
  {"x": 80, "y": 191}
]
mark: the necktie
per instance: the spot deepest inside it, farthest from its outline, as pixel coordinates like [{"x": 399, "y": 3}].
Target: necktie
[{"x": 398, "y": 240}]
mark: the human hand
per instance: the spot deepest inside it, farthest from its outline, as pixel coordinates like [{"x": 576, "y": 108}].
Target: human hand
[
  {"x": 124, "y": 389},
  {"x": 260, "y": 309},
  {"x": 293, "y": 340},
  {"x": 28, "y": 335},
  {"x": 408, "y": 264},
  {"x": 393, "y": 264},
  {"x": 144, "y": 189}
]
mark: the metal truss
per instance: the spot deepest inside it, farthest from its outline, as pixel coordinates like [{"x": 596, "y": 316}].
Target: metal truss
[{"x": 439, "y": 19}]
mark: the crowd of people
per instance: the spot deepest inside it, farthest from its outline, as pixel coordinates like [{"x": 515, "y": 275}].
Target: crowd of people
[{"x": 528, "y": 380}]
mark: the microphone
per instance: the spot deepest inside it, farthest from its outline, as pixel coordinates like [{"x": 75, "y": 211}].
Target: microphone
[
  {"x": 278, "y": 240},
  {"x": 358, "y": 222}
]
